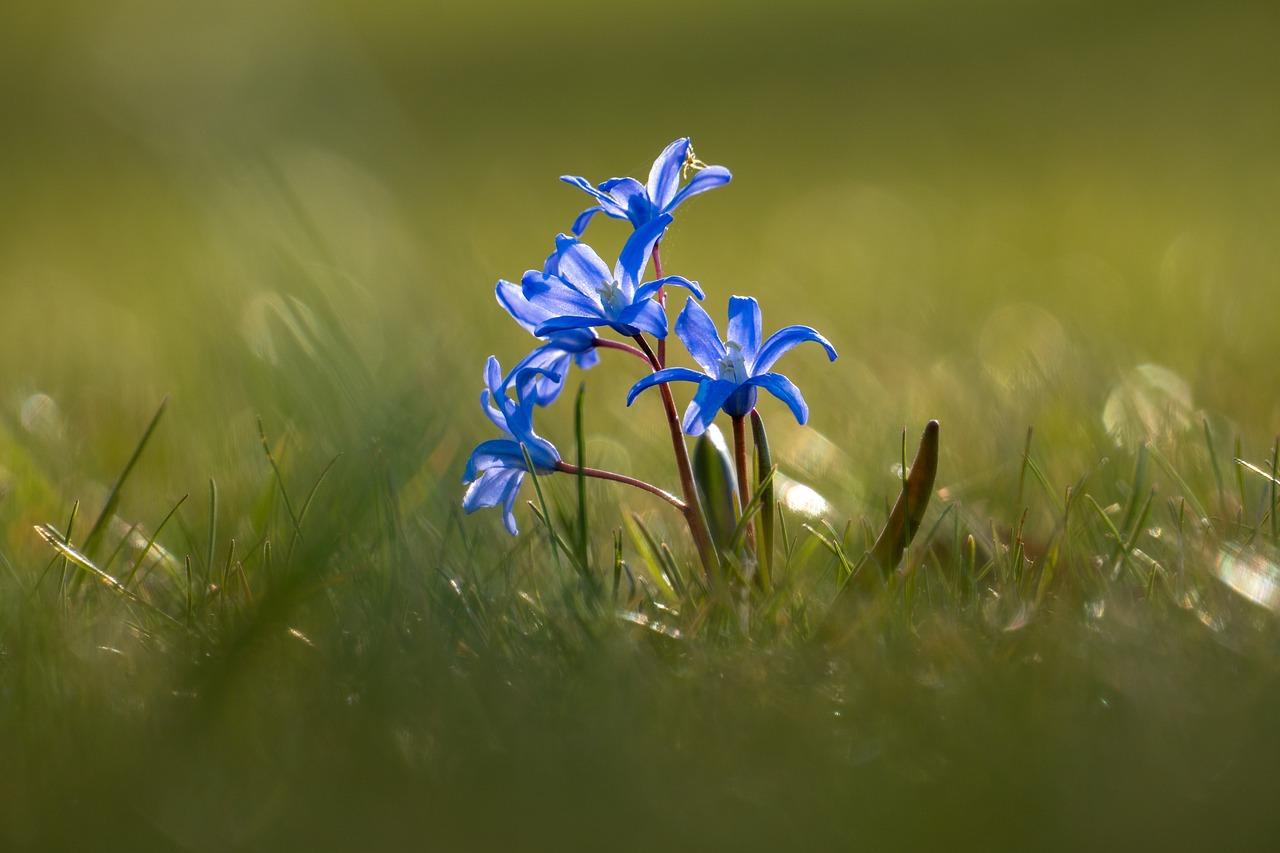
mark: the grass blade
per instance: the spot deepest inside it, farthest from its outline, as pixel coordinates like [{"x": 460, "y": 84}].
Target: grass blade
[
  {"x": 768, "y": 504},
  {"x": 545, "y": 515},
  {"x": 908, "y": 511},
  {"x": 113, "y": 497},
  {"x": 142, "y": 555}
]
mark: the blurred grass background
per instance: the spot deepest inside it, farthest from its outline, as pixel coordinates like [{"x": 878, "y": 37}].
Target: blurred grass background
[
  {"x": 1003, "y": 214},
  {"x": 996, "y": 211}
]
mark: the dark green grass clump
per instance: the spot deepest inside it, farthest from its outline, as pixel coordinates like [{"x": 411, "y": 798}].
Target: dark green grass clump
[{"x": 340, "y": 675}]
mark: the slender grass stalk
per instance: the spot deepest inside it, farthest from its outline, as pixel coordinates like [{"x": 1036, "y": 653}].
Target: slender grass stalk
[
  {"x": 71, "y": 523},
  {"x": 617, "y": 564},
  {"x": 542, "y": 501},
  {"x": 113, "y": 497},
  {"x": 1173, "y": 474},
  {"x": 213, "y": 525},
  {"x": 151, "y": 542},
  {"x": 752, "y": 509},
  {"x": 306, "y": 506},
  {"x": 1217, "y": 469},
  {"x": 1240, "y": 487},
  {"x": 275, "y": 468},
  {"x": 1022, "y": 472},
  {"x": 77, "y": 558},
  {"x": 189, "y": 590},
  {"x": 1275, "y": 463}
]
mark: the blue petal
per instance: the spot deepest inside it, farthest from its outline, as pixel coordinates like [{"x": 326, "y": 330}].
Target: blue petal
[
  {"x": 489, "y": 488},
  {"x": 786, "y": 391},
  {"x": 540, "y": 376},
  {"x": 670, "y": 374},
  {"x": 556, "y": 325},
  {"x": 530, "y": 314},
  {"x": 643, "y": 316},
  {"x": 556, "y": 298},
  {"x": 584, "y": 219},
  {"x": 631, "y": 196},
  {"x": 649, "y": 288},
  {"x": 741, "y": 401},
  {"x": 533, "y": 366},
  {"x": 696, "y": 329},
  {"x": 509, "y": 503},
  {"x": 664, "y": 177},
  {"x": 575, "y": 341},
  {"x": 492, "y": 413},
  {"x": 587, "y": 358},
  {"x": 551, "y": 366},
  {"x": 635, "y": 253},
  {"x": 578, "y": 264},
  {"x": 542, "y": 452},
  {"x": 706, "y": 404},
  {"x": 609, "y": 206},
  {"x": 494, "y": 453},
  {"x": 524, "y": 312},
  {"x": 705, "y": 179},
  {"x": 744, "y": 325},
  {"x": 784, "y": 340},
  {"x": 493, "y": 376}
]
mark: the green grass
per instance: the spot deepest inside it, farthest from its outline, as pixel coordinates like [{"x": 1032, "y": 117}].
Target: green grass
[{"x": 255, "y": 618}]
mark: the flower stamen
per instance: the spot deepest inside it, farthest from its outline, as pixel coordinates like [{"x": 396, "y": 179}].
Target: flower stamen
[{"x": 732, "y": 367}]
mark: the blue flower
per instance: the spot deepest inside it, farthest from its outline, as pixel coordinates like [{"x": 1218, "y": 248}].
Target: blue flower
[
  {"x": 735, "y": 368},
  {"x": 576, "y": 291},
  {"x": 496, "y": 468},
  {"x": 553, "y": 359},
  {"x": 627, "y": 198}
]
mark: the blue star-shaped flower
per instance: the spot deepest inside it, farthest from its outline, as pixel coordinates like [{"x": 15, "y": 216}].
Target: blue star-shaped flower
[
  {"x": 576, "y": 291},
  {"x": 627, "y": 198},
  {"x": 735, "y": 368},
  {"x": 562, "y": 349},
  {"x": 496, "y": 468}
]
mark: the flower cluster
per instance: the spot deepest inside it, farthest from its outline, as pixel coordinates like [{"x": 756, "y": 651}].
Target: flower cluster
[{"x": 576, "y": 297}]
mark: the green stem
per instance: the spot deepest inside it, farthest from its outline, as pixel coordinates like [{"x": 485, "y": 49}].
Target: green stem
[{"x": 740, "y": 469}]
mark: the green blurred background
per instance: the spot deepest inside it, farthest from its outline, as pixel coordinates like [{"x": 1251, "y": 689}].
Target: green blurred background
[
  {"x": 1003, "y": 214},
  {"x": 997, "y": 211}
]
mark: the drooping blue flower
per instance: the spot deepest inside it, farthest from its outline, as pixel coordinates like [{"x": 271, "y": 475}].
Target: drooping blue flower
[
  {"x": 735, "y": 368},
  {"x": 627, "y": 198},
  {"x": 496, "y": 468},
  {"x": 576, "y": 291},
  {"x": 570, "y": 347}
]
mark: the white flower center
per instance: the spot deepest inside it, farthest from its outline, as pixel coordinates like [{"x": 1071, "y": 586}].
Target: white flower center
[
  {"x": 732, "y": 367},
  {"x": 612, "y": 298}
]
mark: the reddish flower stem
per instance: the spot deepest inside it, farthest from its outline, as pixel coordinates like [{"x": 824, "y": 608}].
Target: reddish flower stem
[
  {"x": 605, "y": 343},
  {"x": 693, "y": 508},
  {"x": 662, "y": 300},
  {"x": 624, "y": 479}
]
